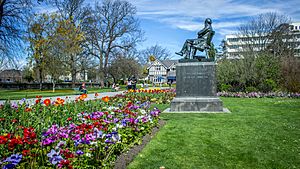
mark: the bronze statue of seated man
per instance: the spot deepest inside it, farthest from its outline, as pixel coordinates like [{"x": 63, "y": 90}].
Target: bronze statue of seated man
[{"x": 201, "y": 43}]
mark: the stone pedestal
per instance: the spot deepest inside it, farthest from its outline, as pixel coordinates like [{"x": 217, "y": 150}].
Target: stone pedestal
[{"x": 196, "y": 88}]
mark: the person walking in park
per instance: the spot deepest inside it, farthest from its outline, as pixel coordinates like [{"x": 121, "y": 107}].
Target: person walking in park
[{"x": 82, "y": 88}]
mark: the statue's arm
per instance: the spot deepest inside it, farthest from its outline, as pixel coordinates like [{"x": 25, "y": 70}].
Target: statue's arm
[{"x": 202, "y": 32}]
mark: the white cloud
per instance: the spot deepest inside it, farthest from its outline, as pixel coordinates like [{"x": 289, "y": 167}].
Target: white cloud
[{"x": 190, "y": 14}]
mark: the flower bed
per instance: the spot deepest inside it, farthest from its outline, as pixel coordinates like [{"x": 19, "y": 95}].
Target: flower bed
[
  {"x": 258, "y": 94},
  {"x": 83, "y": 134}
]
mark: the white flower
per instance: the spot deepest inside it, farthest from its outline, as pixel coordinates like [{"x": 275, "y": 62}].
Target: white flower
[
  {"x": 143, "y": 111},
  {"x": 88, "y": 154}
]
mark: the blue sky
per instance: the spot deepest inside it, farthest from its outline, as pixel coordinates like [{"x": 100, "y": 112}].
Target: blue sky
[{"x": 170, "y": 22}]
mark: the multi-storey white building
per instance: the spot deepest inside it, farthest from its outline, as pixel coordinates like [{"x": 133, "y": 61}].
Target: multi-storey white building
[
  {"x": 236, "y": 44},
  {"x": 162, "y": 71}
]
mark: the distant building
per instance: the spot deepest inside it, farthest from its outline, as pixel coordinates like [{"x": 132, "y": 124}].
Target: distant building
[
  {"x": 10, "y": 76},
  {"x": 162, "y": 71},
  {"x": 235, "y": 45}
]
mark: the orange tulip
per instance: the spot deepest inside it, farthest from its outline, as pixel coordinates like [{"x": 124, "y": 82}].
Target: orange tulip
[
  {"x": 105, "y": 99},
  {"x": 84, "y": 96},
  {"x": 47, "y": 102}
]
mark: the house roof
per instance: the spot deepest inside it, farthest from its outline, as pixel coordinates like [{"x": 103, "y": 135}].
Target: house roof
[
  {"x": 166, "y": 63},
  {"x": 169, "y": 63},
  {"x": 11, "y": 72}
]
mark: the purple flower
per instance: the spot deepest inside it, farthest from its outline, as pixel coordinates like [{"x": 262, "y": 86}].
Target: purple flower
[
  {"x": 14, "y": 159},
  {"x": 60, "y": 144},
  {"x": 124, "y": 121},
  {"x": 155, "y": 112},
  {"x": 8, "y": 166},
  {"x": 116, "y": 137},
  {"x": 116, "y": 120},
  {"x": 145, "y": 119},
  {"x": 45, "y": 134},
  {"x": 108, "y": 141},
  {"x": 54, "y": 157},
  {"x": 76, "y": 142},
  {"x": 98, "y": 133},
  {"x": 131, "y": 120},
  {"x": 77, "y": 137},
  {"x": 48, "y": 141},
  {"x": 136, "y": 121},
  {"x": 90, "y": 137},
  {"x": 79, "y": 152}
]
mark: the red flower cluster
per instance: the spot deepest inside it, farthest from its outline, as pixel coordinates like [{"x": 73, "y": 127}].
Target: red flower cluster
[
  {"x": 65, "y": 163},
  {"x": 29, "y": 137},
  {"x": 67, "y": 153},
  {"x": 38, "y": 100}
]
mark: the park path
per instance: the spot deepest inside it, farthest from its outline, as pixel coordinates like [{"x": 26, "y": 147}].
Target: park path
[{"x": 68, "y": 98}]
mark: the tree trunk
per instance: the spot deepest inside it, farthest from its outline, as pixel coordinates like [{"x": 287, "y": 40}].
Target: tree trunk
[
  {"x": 53, "y": 85},
  {"x": 73, "y": 71},
  {"x": 101, "y": 71},
  {"x": 41, "y": 78}
]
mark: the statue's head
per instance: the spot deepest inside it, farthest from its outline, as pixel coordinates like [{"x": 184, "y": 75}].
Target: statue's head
[{"x": 208, "y": 21}]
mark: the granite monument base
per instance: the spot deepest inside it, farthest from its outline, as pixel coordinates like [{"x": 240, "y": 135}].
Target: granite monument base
[
  {"x": 196, "y": 88},
  {"x": 196, "y": 104}
]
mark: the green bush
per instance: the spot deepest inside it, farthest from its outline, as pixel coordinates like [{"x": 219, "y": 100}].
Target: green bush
[
  {"x": 267, "y": 85},
  {"x": 251, "y": 89},
  {"x": 225, "y": 87}
]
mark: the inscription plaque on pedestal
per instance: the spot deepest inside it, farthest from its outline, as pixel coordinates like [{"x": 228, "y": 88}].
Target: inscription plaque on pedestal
[{"x": 196, "y": 88}]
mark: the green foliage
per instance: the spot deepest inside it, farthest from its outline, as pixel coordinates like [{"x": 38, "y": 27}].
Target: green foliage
[
  {"x": 251, "y": 89},
  {"x": 290, "y": 68},
  {"x": 28, "y": 74},
  {"x": 267, "y": 85},
  {"x": 212, "y": 51},
  {"x": 225, "y": 87},
  {"x": 251, "y": 71}
]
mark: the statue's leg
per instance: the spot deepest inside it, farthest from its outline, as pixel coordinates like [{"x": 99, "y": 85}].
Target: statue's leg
[
  {"x": 183, "y": 49},
  {"x": 188, "y": 47}
]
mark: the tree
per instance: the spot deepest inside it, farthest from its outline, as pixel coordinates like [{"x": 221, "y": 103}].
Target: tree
[
  {"x": 112, "y": 25},
  {"x": 13, "y": 16},
  {"x": 157, "y": 51},
  {"x": 27, "y": 74},
  {"x": 70, "y": 9},
  {"x": 72, "y": 12},
  {"x": 40, "y": 31},
  {"x": 70, "y": 38},
  {"x": 264, "y": 40},
  {"x": 123, "y": 67},
  {"x": 257, "y": 32}
]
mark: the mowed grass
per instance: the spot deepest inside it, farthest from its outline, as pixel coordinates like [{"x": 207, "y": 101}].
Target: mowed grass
[
  {"x": 259, "y": 133},
  {"x": 19, "y": 94}
]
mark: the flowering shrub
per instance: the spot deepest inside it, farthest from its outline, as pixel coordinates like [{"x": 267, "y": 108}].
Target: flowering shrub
[
  {"x": 157, "y": 96},
  {"x": 83, "y": 134},
  {"x": 258, "y": 94}
]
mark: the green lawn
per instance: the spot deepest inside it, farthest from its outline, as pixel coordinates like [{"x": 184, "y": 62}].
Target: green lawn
[
  {"x": 19, "y": 94},
  {"x": 259, "y": 133}
]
